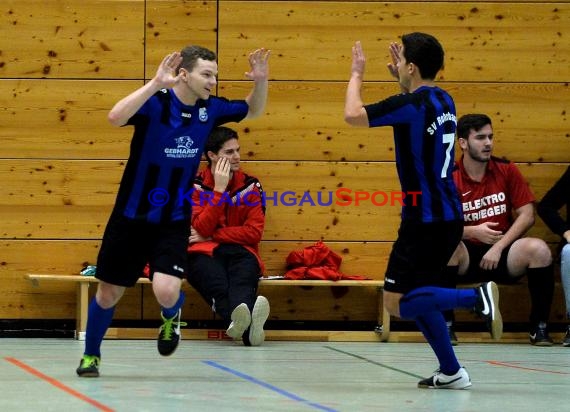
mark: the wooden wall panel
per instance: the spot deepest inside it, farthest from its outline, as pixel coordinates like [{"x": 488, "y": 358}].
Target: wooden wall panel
[
  {"x": 56, "y": 301},
  {"x": 53, "y": 222},
  {"x": 531, "y": 121},
  {"x": 72, "y": 199},
  {"x": 64, "y": 119},
  {"x": 64, "y": 64},
  {"x": 60, "y": 182},
  {"x": 70, "y": 256},
  {"x": 303, "y": 121},
  {"x": 310, "y": 224},
  {"x": 21, "y": 300},
  {"x": 94, "y": 39},
  {"x": 483, "y": 41},
  {"x": 292, "y": 303},
  {"x": 172, "y": 25},
  {"x": 358, "y": 258}
]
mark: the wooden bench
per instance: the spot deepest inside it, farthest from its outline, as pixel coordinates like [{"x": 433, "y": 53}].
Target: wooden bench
[{"x": 83, "y": 283}]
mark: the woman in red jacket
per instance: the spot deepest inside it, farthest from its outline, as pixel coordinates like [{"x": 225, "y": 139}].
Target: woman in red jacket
[{"x": 228, "y": 218}]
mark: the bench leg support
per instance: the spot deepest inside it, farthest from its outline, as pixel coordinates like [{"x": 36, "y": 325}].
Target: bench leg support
[
  {"x": 82, "y": 308},
  {"x": 383, "y": 317}
]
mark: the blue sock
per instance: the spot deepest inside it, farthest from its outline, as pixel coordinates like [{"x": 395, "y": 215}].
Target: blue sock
[
  {"x": 98, "y": 321},
  {"x": 429, "y": 299},
  {"x": 169, "y": 313},
  {"x": 434, "y": 329}
]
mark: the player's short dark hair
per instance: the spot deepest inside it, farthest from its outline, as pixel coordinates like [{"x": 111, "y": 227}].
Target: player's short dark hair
[
  {"x": 424, "y": 51},
  {"x": 218, "y": 137},
  {"x": 472, "y": 121},
  {"x": 191, "y": 54}
]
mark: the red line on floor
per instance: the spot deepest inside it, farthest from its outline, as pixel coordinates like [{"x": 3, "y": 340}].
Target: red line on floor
[
  {"x": 58, "y": 384},
  {"x": 510, "y": 365}
]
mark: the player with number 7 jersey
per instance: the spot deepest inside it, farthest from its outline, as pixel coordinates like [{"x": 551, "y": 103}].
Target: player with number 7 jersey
[
  {"x": 424, "y": 125},
  {"x": 423, "y": 117}
]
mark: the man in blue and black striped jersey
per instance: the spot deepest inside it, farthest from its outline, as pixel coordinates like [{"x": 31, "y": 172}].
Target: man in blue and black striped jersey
[
  {"x": 172, "y": 116},
  {"x": 423, "y": 117}
]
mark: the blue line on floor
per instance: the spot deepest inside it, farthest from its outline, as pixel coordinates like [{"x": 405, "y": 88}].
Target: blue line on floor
[
  {"x": 375, "y": 363},
  {"x": 269, "y": 386}
]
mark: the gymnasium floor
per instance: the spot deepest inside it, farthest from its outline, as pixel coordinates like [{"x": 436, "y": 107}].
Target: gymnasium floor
[{"x": 38, "y": 374}]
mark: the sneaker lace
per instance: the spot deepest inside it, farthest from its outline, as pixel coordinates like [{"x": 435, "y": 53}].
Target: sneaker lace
[
  {"x": 88, "y": 361},
  {"x": 167, "y": 327}
]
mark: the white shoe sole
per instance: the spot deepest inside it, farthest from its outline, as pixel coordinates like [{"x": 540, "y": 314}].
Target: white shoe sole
[
  {"x": 497, "y": 321},
  {"x": 259, "y": 316},
  {"x": 458, "y": 381},
  {"x": 241, "y": 319}
]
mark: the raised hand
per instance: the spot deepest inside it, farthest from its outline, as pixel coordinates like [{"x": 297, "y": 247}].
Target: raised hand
[
  {"x": 166, "y": 75},
  {"x": 395, "y": 56},
  {"x": 358, "y": 60},
  {"x": 222, "y": 174},
  {"x": 258, "y": 60}
]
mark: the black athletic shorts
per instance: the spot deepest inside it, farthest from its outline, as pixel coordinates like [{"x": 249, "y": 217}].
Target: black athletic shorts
[
  {"x": 128, "y": 245},
  {"x": 420, "y": 254},
  {"x": 475, "y": 274}
]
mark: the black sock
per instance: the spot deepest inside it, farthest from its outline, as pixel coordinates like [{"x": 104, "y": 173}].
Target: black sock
[{"x": 541, "y": 288}]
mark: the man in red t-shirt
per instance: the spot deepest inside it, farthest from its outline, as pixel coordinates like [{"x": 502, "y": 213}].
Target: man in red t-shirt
[
  {"x": 498, "y": 209},
  {"x": 228, "y": 218}
]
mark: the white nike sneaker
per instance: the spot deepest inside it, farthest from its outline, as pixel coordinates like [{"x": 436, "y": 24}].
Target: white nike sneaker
[
  {"x": 439, "y": 380},
  {"x": 488, "y": 307},
  {"x": 259, "y": 315},
  {"x": 241, "y": 319}
]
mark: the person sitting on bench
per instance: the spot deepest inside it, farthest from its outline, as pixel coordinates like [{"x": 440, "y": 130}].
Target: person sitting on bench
[
  {"x": 228, "y": 218},
  {"x": 498, "y": 209},
  {"x": 549, "y": 210}
]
